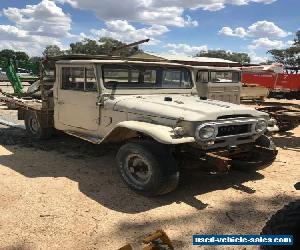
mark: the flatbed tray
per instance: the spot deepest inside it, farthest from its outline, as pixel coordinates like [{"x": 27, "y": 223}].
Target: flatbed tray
[{"x": 26, "y": 103}]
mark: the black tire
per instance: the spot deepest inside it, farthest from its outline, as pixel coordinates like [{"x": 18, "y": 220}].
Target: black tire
[
  {"x": 34, "y": 128},
  {"x": 256, "y": 159},
  {"x": 161, "y": 175},
  {"x": 285, "y": 222}
]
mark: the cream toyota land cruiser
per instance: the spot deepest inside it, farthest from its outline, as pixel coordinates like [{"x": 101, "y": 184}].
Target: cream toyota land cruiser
[{"x": 153, "y": 111}]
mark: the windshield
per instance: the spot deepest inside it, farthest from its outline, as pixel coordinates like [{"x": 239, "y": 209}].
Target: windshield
[
  {"x": 140, "y": 76},
  {"x": 224, "y": 76}
]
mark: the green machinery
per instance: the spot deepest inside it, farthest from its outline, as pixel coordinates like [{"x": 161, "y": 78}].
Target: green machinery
[
  {"x": 10, "y": 67},
  {"x": 14, "y": 79}
]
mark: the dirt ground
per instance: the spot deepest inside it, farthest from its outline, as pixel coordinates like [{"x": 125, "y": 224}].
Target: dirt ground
[{"x": 65, "y": 193}]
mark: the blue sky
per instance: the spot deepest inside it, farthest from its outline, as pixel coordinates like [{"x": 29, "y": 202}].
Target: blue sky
[{"x": 174, "y": 26}]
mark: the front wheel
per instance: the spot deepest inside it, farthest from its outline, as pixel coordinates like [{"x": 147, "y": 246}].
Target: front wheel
[{"x": 148, "y": 168}]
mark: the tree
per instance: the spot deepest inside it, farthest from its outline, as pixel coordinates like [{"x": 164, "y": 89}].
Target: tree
[
  {"x": 52, "y": 50},
  {"x": 232, "y": 56},
  {"x": 297, "y": 40},
  {"x": 36, "y": 59},
  {"x": 86, "y": 46},
  {"x": 105, "y": 46},
  {"x": 21, "y": 56},
  {"x": 109, "y": 45},
  {"x": 6, "y": 54},
  {"x": 289, "y": 56}
]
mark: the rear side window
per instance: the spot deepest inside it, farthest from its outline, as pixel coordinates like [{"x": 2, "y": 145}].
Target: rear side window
[
  {"x": 79, "y": 78},
  {"x": 121, "y": 75},
  {"x": 172, "y": 78}
]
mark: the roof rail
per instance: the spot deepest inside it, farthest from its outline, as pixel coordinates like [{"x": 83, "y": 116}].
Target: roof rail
[{"x": 98, "y": 57}]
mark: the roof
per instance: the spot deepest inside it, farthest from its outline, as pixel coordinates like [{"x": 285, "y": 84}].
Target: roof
[
  {"x": 275, "y": 67},
  {"x": 93, "y": 61},
  {"x": 91, "y": 57},
  {"x": 216, "y": 68},
  {"x": 185, "y": 58}
]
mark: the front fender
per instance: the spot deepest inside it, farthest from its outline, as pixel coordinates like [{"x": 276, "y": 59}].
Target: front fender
[{"x": 130, "y": 129}]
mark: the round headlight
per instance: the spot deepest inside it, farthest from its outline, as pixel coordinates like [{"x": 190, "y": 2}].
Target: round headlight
[
  {"x": 261, "y": 126},
  {"x": 206, "y": 132}
]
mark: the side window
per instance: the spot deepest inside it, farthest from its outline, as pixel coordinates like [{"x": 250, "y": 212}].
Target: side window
[
  {"x": 120, "y": 75},
  {"x": 78, "y": 78},
  {"x": 73, "y": 78},
  {"x": 202, "y": 76},
  {"x": 150, "y": 76},
  {"x": 175, "y": 78},
  {"x": 236, "y": 76}
]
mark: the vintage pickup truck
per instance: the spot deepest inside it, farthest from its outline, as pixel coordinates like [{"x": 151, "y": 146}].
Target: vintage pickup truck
[{"x": 152, "y": 110}]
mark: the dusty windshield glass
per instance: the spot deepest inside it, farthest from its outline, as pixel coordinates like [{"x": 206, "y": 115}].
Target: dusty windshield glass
[
  {"x": 224, "y": 76},
  {"x": 140, "y": 76}
]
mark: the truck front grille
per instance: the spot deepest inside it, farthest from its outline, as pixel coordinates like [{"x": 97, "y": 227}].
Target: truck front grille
[{"x": 233, "y": 130}]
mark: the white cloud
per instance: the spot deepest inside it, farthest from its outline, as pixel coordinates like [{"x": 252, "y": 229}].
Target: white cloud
[
  {"x": 185, "y": 49},
  {"x": 45, "y": 19},
  {"x": 227, "y": 31},
  {"x": 35, "y": 27},
  {"x": 258, "y": 29},
  {"x": 266, "y": 29},
  {"x": 17, "y": 39},
  {"x": 125, "y": 32},
  {"x": 256, "y": 58},
  {"x": 166, "y": 12},
  {"x": 266, "y": 43}
]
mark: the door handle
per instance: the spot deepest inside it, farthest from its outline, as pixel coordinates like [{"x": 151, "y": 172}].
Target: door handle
[{"x": 60, "y": 102}]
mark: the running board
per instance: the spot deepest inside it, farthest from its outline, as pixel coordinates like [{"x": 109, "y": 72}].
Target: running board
[{"x": 94, "y": 140}]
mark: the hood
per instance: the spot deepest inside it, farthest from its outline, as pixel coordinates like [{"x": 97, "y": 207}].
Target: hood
[{"x": 186, "y": 107}]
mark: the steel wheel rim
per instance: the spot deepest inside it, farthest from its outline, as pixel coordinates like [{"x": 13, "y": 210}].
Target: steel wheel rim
[
  {"x": 138, "y": 169},
  {"x": 34, "y": 125}
]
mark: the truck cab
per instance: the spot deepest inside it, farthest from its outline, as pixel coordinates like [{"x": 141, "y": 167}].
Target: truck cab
[{"x": 218, "y": 83}]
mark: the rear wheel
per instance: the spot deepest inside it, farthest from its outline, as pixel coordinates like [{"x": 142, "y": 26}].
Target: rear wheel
[
  {"x": 148, "y": 168},
  {"x": 34, "y": 127}
]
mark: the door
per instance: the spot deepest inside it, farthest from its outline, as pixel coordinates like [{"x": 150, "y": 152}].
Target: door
[{"x": 77, "y": 98}]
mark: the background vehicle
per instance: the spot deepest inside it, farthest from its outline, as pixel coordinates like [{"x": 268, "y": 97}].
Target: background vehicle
[
  {"x": 282, "y": 82},
  {"x": 2, "y": 75},
  {"x": 254, "y": 92},
  {"x": 218, "y": 83},
  {"x": 152, "y": 109}
]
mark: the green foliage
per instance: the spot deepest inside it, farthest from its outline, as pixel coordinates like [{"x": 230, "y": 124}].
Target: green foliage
[
  {"x": 232, "y": 56},
  {"x": 297, "y": 40},
  {"x": 289, "y": 56},
  {"x": 53, "y": 50},
  {"x": 105, "y": 46},
  {"x": 8, "y": 54},
  {"x": 20, "y": 60}
]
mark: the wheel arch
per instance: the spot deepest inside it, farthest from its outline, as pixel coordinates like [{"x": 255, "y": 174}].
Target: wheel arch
[{"x": 132, "y": 129}]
